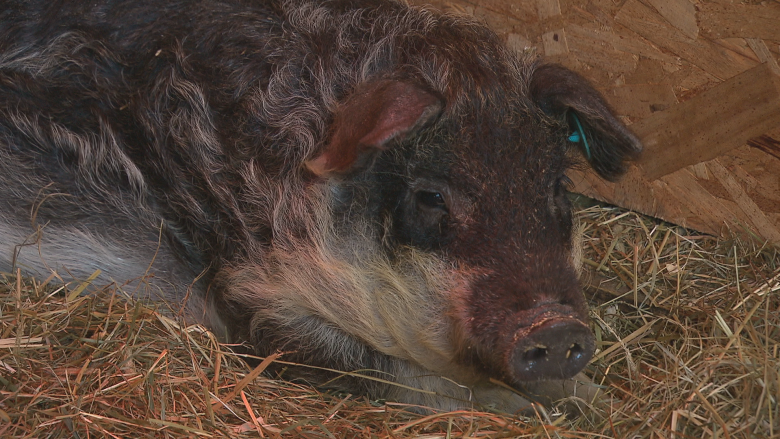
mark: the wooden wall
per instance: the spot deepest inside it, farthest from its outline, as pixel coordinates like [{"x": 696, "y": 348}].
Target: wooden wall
[{"x": 697, "y": 80}]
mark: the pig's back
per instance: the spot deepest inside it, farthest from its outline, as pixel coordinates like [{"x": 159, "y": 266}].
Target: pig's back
[{"x": 114, "y": 118}]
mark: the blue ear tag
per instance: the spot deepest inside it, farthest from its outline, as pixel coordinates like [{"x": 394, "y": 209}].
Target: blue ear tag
[{"x": 579, "y": 135}]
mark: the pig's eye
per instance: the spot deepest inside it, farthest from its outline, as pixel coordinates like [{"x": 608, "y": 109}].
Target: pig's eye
[
  {"x": 421, "y": 217},
  {"x": 431, "y": 200}
]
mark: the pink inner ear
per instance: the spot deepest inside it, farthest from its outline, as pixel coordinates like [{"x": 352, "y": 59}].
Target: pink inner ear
[
  {"x": 374, "y": 115},
  {"x": 407, "y": 106}
]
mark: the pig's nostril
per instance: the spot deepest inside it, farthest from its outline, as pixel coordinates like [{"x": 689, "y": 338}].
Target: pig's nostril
[
  {"x": 556, "y": 348},
  {"x": 575, "y": 352},
  {"x": 535, "y": 354}
]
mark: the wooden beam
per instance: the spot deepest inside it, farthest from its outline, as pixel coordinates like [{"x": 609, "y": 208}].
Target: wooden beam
[
  {"x": 639, "y": 101},
  {"x": 712, "y": 123}
]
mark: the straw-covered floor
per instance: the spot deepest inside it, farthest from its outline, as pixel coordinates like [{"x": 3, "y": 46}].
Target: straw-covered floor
[{"x": 688, "y": 328}]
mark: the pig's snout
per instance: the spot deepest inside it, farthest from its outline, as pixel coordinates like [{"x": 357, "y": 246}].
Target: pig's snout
[{"x": 553, "y": 347}]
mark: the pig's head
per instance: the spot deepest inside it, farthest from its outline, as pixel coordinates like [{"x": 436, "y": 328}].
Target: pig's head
[{"x": 479, "y": 186}]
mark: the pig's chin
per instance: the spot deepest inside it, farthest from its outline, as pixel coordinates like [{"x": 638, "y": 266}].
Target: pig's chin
[{"x": 394, "y": 305}]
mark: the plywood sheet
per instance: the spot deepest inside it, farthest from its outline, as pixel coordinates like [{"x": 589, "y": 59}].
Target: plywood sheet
[
  {"x": 710, "y": 57},
  {"x": 698, "y": 80},
  {"x": 717, "y": 20}
]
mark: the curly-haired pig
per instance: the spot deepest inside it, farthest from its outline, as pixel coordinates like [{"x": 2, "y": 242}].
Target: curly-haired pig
[{"x": 363, "y": 185}]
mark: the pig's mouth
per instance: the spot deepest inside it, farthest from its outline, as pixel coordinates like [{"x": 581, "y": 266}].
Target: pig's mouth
[{"x": 554, "y": 346}]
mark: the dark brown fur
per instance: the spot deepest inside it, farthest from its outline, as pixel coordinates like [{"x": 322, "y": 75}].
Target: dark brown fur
[{"x": 363, "y": 185}]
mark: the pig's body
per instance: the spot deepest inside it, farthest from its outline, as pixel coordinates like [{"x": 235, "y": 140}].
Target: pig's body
[{"x": 361, "y": 185}]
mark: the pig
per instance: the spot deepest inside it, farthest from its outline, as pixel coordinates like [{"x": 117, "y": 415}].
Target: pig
[{"x": 362, "y": 185}]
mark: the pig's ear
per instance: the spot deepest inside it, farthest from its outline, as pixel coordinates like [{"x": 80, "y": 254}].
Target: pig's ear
[
  {"x": 603, "y": 139},
  {"x": 369, "y": 119}
]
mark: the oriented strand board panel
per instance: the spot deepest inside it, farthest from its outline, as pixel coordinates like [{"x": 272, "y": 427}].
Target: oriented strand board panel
[
  {"x": 718, "y": 20},
  {"x": 711, "y": 57},
  {"x": 698, "y": 81}
]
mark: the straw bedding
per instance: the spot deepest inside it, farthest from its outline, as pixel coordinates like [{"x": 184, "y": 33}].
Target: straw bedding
[{"x": 687, "y": 326}]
